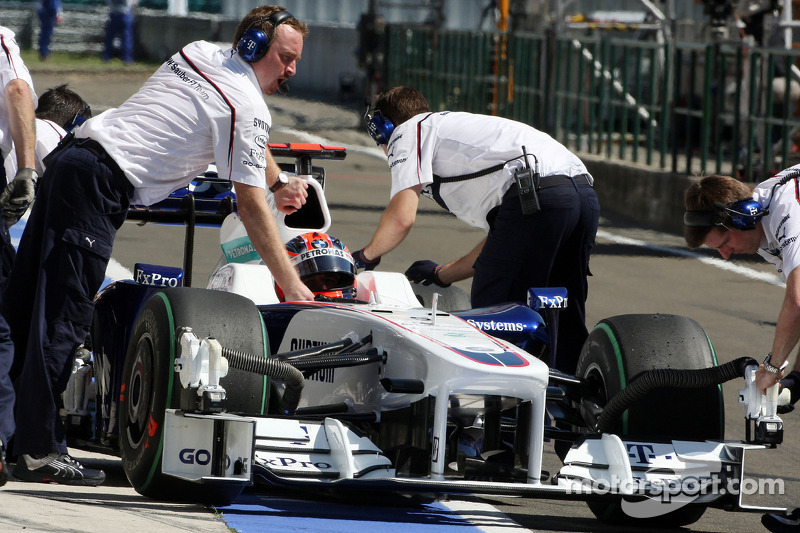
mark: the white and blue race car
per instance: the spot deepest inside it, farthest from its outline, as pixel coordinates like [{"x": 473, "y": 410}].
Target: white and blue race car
[{"x": 203, "y": 391}]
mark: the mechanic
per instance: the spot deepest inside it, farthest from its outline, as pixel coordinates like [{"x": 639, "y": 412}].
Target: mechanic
[
  {"x": 530, "y": 193},
  {"x": 18, "y": 133},
  {"x": 60, "y": 109},
  {"x": 726, "y": 214},
  {"x": 203, "y": 105}
]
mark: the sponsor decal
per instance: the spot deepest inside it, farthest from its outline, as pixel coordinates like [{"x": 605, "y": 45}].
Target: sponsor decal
[
  {"x": 325, "y": 375},
  {"x": 554, "y": 302},
  {"x": 397, "y": 162},
  {"x": 240, "y": 250},
  {"x": 261, "y": 124},
  {"x": 289, "y": 461},
  {"x": 262, "y": 140},
  {"x": 258, "y": 155},
  {"x": 497, "y": 326},
  {"x": 251, "y": 164},
  {"x": 302, "y": 344},
  {"x": 190, "y": 82},
  {"x": 318, "y": 252},
  {"x": 191, "y": 456},
  {"x": 156, "y": 279}
]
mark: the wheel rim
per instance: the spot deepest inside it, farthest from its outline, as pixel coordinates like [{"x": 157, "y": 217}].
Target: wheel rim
[{"x": 139, "y": 398}]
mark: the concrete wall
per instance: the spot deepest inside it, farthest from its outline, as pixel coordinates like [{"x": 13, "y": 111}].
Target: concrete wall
[
  {"x": 651, "y": 197},
  {"x": 329, "y": 54}
]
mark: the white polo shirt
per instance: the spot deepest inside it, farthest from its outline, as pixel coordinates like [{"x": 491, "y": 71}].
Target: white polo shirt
[
  {"x": 781, "y": 242},
  {"x": 456, "y": 143},
  {"x": 203, "y": 105},
  {"x": 11, "y": 68},
  {"x": 48, "y": 135}
]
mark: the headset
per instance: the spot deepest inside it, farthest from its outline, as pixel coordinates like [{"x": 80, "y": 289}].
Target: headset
[
  {"x": 379, "y": 127},
  {"x": 254, "y": 43},
  {"x": 80, "y": 117},
  {"x": 741, "y": 214}
]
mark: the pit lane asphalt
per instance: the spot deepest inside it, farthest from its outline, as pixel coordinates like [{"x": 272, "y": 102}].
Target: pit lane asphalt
[{"x": 634, "y": 272}]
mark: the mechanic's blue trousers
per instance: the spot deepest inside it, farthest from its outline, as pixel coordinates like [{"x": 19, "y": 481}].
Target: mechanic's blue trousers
[
  {"x": 6, "y": 346},
  {"x": 119, "y": 24},
  {"x": 547, "y": 249},
  {"x": 82, "y": 201},
  {"x": 48, "y": 23}
]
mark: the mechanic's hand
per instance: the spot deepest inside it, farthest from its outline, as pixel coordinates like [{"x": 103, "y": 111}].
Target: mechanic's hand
[
  {"x": 297, "y": 293},
  {"x": 766, "y": 379},
  {"x": 425, "y": 271},
  {"x": 361, "y": 260},
  {"x": 292, "y": 196},
  {"x": 18, "y": 195}
]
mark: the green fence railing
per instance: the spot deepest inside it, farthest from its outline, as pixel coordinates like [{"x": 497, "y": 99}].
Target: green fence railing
[{"x": 688, "y": 108}]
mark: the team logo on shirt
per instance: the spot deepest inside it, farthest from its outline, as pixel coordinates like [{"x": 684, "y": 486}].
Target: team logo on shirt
[
  {"x": 262, "y": 140},
  {"x": 261, "y": 124}
]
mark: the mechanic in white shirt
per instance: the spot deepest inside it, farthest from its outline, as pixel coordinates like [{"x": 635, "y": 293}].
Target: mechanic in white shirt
[
  {"x": 60, "y": 109},
  {"x": 203, "y": 105},
  {"x": 724, "y": 213},
  {"x": 467, "y": 163},
  {"x": 17, "y": 133}
]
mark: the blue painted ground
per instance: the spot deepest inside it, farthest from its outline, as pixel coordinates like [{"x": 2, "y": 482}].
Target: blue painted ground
[{"x": 254, "y": 512}]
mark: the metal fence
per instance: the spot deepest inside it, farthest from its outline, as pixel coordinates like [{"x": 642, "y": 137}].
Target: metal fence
[{"x": 720, "y": 107}]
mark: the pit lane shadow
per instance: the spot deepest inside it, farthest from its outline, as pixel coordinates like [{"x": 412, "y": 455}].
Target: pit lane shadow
[{"x": 652, "y": 242}]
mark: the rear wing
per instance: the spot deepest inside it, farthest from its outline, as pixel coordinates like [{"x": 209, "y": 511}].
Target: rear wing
[{"x": 208, "y": 199}]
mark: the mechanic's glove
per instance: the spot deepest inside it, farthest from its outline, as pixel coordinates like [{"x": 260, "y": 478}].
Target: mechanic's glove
[
  {"x": 790, "y": 384},
  {"x": 425, "y": 271},
  {"x": 18, "y": 195},
  {"x": 362, "y": 262}
]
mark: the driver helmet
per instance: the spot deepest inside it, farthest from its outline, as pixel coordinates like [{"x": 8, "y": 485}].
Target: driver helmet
[{"x": 324, "y": 264}]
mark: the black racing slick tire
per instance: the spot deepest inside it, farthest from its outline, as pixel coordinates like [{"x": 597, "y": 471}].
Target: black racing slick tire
[
  {"x": 150, "y": 385},
  {"x": 617, "y": 351}
]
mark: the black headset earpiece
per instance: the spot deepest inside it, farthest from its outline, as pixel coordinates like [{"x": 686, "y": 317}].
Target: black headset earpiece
[
  {"x": 254, "y": 42},
  {"x": 741, "y": 215}
]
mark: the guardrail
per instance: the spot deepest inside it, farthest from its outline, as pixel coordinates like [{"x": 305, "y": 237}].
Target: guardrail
[{"x": 688, "y": 108}]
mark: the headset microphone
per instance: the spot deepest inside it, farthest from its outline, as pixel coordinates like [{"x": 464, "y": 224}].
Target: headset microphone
[{"x": 283, "y": 88}]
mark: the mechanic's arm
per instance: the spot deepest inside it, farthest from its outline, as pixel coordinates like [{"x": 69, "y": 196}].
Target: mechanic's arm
[
  {"x": 22, "y": 122},
  {"x": 396, "y": 222},
  {"x": 291, "y": 196},
  {"x": 263, "y": 232},
  {"x": 460, "y": 268},
  {"x": 787, "y": 332}
]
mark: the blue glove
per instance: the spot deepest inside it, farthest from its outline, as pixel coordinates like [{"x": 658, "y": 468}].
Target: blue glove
[
  {"x": 425, "y": 271},
  {"x": 363, "y": 262}
]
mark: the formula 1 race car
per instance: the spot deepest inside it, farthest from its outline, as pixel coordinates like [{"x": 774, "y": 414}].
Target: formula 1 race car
[{"x": 203, "y": 391}]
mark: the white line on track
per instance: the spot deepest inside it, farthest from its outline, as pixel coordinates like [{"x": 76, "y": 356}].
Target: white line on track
[{"x": 722, "y": 264}]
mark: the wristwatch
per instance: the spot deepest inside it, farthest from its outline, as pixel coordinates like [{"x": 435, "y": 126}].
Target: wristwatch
[
  {"x": 774, "y": 369},
  {"x": 282, "y": 181}
]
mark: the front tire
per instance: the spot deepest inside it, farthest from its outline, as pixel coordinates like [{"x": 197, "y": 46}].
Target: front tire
[
  {"x": 150, "y": 386},
  {"x": 617, "y": 351}
]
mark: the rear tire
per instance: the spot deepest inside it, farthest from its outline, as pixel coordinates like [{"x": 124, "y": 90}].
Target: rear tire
[
  {"x": 150, "y": 386},
  {"x": 616, "y": 352}
]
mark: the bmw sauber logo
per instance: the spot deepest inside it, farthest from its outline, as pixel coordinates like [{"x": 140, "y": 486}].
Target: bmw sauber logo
[{"x": 319, "y": 243}]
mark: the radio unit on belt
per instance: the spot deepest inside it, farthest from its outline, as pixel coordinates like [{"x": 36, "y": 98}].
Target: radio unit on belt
[{"x": 527, "y": 180}]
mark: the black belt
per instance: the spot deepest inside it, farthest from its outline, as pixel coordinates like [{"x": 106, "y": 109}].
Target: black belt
[{"x": 559, "y": 179}]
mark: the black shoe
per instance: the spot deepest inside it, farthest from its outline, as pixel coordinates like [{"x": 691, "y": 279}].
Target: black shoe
[
  {"x": 57, "y": 468},
  {"x": 782, "y": 523},
  {"x": 3, "y": 473}
]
